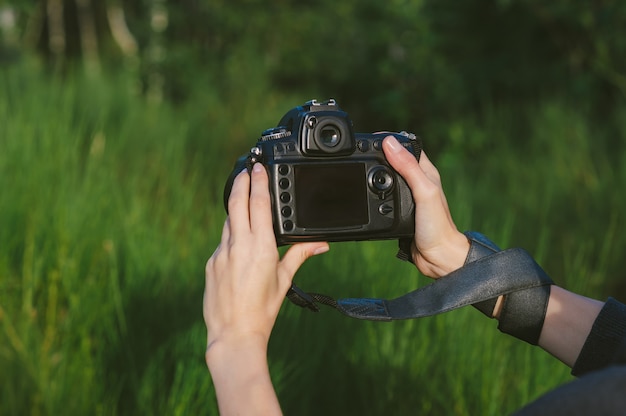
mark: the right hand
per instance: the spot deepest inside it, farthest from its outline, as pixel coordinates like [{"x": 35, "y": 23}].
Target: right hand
[
  {"x": 438, "y": 247},
  {"x": 245, "y": 279}
]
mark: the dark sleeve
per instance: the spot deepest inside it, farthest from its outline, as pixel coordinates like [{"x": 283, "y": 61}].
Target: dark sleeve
[
  {"x": 598, "y": 393},
  {"x": 606, "y": 343},
  {"x": 601, "y": 363}
]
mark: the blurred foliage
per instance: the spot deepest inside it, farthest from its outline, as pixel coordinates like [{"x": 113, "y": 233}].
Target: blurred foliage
[
  {"x": 116, "y": 139},
  {"x": 395, "y": 64},
  {"x": 111, "y": 204}
]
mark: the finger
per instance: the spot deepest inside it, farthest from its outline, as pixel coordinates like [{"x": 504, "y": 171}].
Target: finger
[
  {"x": 238, "y": 208},
  {"x": 225, "y": 232},
  {"x": 429, "y": 169},
  {"x": 432, "y": 173},
  {"x": 423, "y": 178},
  {"x": 405, "y": 163},
  {"x": 296, "y": 256},
  {"x": 260, "y": 203},
  {"x": 224, "y": 244}
]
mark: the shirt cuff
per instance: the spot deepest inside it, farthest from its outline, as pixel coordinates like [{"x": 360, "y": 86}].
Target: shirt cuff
[{"x": 607, "y": 336}]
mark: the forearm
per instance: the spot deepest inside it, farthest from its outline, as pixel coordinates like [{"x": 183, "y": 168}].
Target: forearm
[
  {"x": 241, "y": 377},
  {"x": 567, "y": 324},
  {"x": 564, "y": 328}
]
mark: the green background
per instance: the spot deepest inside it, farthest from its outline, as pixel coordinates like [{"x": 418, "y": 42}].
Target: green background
[{"x": 117, "y": 134}]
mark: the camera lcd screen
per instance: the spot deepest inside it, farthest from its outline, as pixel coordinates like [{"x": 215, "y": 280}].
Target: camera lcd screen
[{"x": 331, "y": 196}]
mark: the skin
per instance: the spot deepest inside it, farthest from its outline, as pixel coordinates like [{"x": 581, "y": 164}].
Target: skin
[
  {"x": 246, "y": 282},
  {"x": 439, "y": 248}
]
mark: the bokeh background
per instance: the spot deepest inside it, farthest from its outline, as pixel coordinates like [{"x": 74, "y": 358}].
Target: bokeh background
[{"x": 120, "y": 121}]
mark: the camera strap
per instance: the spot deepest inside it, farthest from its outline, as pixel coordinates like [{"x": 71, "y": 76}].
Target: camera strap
[{"x": 480, "y": 281}]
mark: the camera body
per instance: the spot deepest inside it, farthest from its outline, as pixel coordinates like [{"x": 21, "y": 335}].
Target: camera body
[{"x": 328, "y": 183}]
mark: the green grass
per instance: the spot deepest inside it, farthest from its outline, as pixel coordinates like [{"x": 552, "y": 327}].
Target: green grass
[{"x": 110, "y": 207}]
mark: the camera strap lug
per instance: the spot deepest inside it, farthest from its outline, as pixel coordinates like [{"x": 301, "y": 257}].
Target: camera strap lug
[
  {"x": 301, "y": 298},
  {"x": 309, "y": 300},
  {"x": 404, "y": 249},
  {"x": 254, "y": 156}
]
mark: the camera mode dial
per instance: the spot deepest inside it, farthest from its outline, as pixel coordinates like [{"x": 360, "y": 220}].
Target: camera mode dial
[{"x": 275, "y": 133}]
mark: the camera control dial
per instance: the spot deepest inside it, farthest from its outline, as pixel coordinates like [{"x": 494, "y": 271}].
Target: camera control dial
[{"x": 275, "y": 133}]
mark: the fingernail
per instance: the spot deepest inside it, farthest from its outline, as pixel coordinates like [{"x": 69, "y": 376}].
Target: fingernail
[
  {"x": 393, "y": 144},
  {"x": 321, "y": 250},
  {"x": 257, "y": 167}
]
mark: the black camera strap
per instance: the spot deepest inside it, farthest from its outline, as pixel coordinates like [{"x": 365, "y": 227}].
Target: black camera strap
[{"x": 482, "y": 280}]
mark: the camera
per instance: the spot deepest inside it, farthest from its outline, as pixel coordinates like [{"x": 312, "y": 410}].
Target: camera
[{"x": 328, "y": 183}]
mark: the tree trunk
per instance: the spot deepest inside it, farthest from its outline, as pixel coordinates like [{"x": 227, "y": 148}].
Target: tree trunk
[
  {"x": 88, "y": 36},
  {"x": 56, "y": 29},
  {"x": 156, "y": 51},
  {"x": 119, "y": 30}
]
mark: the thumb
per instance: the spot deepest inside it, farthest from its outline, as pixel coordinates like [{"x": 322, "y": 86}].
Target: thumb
[
  {"x": 405, "y": 163},
  {"x": 296, "y": 256}
]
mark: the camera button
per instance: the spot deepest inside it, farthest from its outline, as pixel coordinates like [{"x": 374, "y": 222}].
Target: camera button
[
  {"x": 283, "y": 169},
  {"x": 378, "y": 145},
  {"x": 286, "y": 211},
  {"x": 363, "y": 145},
  {"x": 288, "y": 225},
  {"x": 381, "y": 181},
  {"x": 285, "y": 197},
  {"x": 291, "y": 147},
  {"x": 385, "y": 209},
  {"x": 284, "y": 183}
]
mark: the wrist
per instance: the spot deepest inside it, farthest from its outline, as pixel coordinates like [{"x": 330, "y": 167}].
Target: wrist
[
  {"x": 458, "y": 248},
  {"x": 240, "y": 374},
  {"x": 451, "y": 256},
  {"x": 498, "y": 307},
  {"x": 225, "y": 350}
]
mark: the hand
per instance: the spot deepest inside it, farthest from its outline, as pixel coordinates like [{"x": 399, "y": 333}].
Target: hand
[
  {"x": 246, "y": 281},
  {"x": 438, "y": 247}
]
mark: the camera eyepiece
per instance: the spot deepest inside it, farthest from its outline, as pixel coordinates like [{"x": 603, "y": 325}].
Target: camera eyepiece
[{"x": 329, "y": 134}]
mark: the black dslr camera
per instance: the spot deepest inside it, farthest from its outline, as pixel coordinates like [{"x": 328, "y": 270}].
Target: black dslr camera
[{"x": 328, "y": 183}]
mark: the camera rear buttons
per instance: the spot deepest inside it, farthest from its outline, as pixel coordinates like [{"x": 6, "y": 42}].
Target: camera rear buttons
[
  {"x": 363, "y": 145},
  {"x": 381, "y": 181},
  {"x": 385, "y": 209},
  {"x": 285, "y": 197}
]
